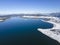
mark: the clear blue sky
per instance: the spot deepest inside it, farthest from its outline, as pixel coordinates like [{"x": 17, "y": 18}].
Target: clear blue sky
[{"x": 29, "y": 6}]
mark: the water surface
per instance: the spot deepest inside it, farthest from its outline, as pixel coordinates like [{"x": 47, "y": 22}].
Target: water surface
[{"x": 20, "y": 31}]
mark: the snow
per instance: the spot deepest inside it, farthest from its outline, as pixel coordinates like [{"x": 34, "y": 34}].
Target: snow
[
  {"x": 54, "y": 32},
  {"x": 1, "y": 20}
]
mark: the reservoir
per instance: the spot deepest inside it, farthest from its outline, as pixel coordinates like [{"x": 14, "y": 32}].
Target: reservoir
[{"x": 22, "y": 31}]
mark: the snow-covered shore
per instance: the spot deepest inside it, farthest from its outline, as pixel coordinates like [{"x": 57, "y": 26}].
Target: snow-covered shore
[{"x": 54, "y": 32}]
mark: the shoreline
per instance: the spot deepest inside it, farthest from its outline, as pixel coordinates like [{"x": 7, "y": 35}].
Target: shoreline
[{"x": 54, "y": 32}]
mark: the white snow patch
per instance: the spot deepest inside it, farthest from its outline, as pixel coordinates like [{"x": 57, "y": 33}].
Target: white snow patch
[{"x": 1, "y": 20}]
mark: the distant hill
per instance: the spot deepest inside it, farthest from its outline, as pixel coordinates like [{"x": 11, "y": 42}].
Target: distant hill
[
  {"x": 55, "y": 14},
  {"x": 51, "y": 14}
]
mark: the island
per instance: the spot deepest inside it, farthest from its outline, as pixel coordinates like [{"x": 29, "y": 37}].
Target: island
[{"x": 3, "y": 18}]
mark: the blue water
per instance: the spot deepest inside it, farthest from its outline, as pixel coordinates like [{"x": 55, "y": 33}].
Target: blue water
[{"x": 20, "y": 31}]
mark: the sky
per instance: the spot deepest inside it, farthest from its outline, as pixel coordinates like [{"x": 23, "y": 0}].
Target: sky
[{"x": 29, "y": 6}]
